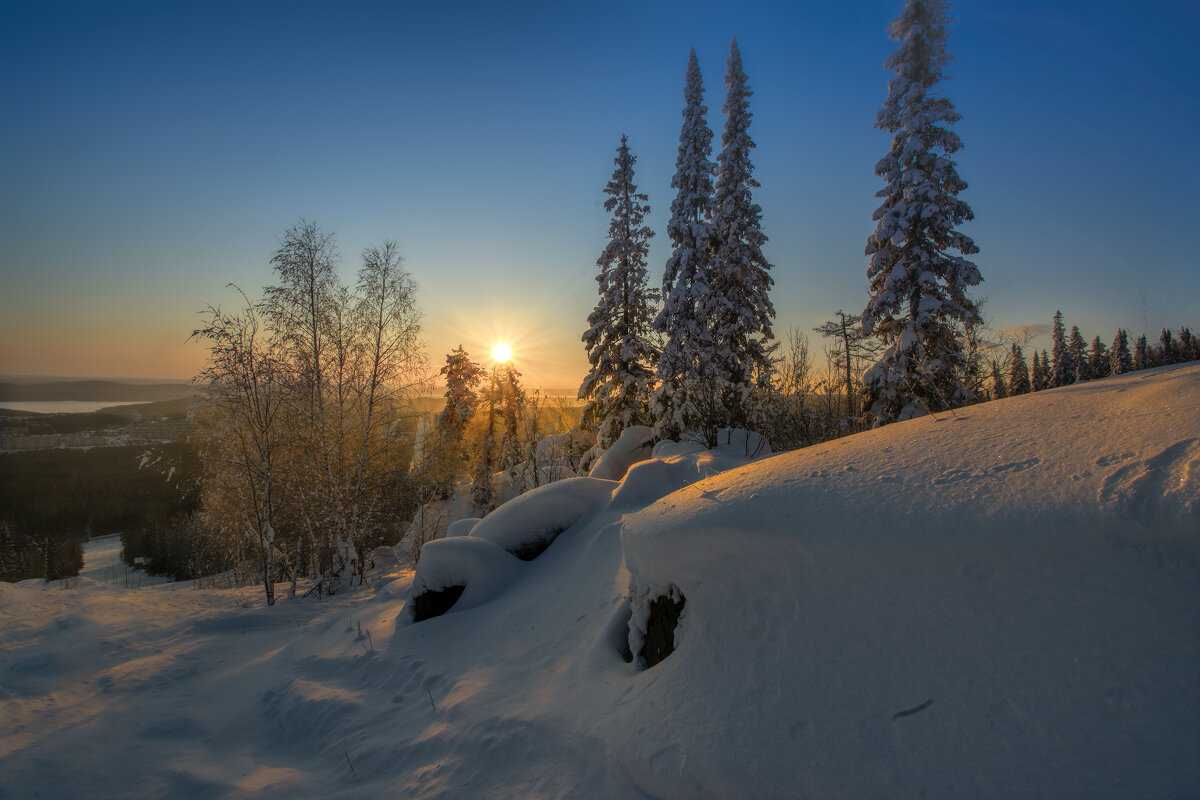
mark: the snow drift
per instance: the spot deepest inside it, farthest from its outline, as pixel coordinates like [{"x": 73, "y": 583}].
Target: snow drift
[{"x": 1001, "y": 603}]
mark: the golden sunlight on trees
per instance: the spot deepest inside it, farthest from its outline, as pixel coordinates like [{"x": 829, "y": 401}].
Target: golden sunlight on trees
[{"x": 306, "y": 421}]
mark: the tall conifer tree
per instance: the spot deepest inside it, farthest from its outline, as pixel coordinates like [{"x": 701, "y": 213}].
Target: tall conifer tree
[
  {"x": 1079, "y": 358},
  {"x": 1187, "y": 345},
  {"x": 999, "y": 387},
  {"x": 1062, "y": 367},
  {"x": 1140, "y": 355},
  {"x": 1037, "y": 374},
  {"x": 739, "y": 310},
  {"x": 1018, "y": 376},
  {"x": 1119, "y": 357},
  {"x": 462, "y": 382},
  {"x": 1098, "y": 366},
  {"x": 1166, "y": 347},
  {"x": 618, "y": 339},
  {"x": 918, "y": 284},
  {"x": 688, "y": 395}
]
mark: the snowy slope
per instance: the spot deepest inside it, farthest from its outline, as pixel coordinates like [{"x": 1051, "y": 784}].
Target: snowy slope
[{"x": 995, "y": 604}]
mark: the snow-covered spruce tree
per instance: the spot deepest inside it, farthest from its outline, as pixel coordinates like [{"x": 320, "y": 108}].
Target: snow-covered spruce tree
[
  {"x": 1037, "y": 374},
  {"x": 688, "y": 396},
  {"x": 1062, "y": 367},
  {"x": 445, "y": 453},
  {"x": 999, "y": 387},
  {"x": 1018, "y": 375},
  {"x": 738, "y": 309},
  {"x": 1166, "y": 348},
  {"x": 1187, "y": 345},
  {"x": 618, "y": 340},
  {"x": 1120, "y": 360},
  {"x": 918, "y": 285},
  {"x": 462, "y": 381},
  {"x": 1140, "y": 355},
  {"x": 1098, "y": 366},
  {"x": 1078, "y": 350}
]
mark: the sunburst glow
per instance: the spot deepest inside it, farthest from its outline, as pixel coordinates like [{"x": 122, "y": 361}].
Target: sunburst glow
[{"x": 501, "y": 353}]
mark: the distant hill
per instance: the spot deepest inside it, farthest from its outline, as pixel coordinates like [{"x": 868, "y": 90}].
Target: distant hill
[
  {"x": 94, "y": 391},
  {"x": 174, "y": 409}
]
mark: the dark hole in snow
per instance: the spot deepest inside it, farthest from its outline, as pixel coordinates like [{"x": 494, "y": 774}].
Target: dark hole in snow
[
  {"x": 427, "y": 605},
  {"x": 528, "y": 551},
  {"x": 660, "y": 629}
]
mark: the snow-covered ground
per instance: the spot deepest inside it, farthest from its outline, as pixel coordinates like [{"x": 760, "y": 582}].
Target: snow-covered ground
[{"x": 999, "y": 603}]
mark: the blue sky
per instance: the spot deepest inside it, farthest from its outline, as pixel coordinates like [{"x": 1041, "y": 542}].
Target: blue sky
[{"x": 153, "y": 152}]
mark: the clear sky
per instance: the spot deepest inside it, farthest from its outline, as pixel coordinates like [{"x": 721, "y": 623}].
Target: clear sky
[{"x": 152, "y": 152}]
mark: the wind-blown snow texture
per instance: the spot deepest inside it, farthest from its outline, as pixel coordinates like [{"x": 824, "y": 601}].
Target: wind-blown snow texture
[{"x": 1003, "y": 603}]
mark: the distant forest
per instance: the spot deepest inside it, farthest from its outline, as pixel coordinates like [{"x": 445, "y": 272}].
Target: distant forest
[
  {"x": 93, "y": 390},
  {"x": 51, "y": 501}
]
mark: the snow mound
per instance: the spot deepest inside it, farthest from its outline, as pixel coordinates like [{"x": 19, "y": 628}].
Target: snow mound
[
  {"x": 462, "y": 527},
  {"x": 734, "y": 447},
  {"x": 526, "y": 525},
  {"x": 996, "y": 603},
  {"x": 632, "y": 446},
  {"x": 474, "y": 570},
  {"x": 676, "y": 465}
]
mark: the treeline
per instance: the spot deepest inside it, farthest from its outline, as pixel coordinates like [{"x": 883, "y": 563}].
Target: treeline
[
  {"x": 93, "y": 390},
  {"x": 44, "y": 424},
  {"x": 1071, "y": 359},
  {"x": 827, "y": 400},
  {"x": 54, "y": 500}
]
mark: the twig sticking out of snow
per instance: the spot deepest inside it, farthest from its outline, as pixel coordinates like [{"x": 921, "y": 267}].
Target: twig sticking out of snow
[{"x": 908, "y": 712}]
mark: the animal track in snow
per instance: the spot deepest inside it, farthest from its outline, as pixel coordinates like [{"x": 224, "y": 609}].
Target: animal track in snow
[
  {"x": 1114, "y": 458},
  {"x": 1164, "y": 485},
  {"x": 1014, "y": 466},
  {"x": 956, "y": 475}
]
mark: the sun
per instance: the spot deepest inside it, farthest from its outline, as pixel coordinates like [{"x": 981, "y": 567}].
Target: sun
[{"x": 501, "y": 353}]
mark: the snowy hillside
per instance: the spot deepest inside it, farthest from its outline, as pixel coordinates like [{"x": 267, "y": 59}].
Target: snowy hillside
[{"x": 999, "y": 603}]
